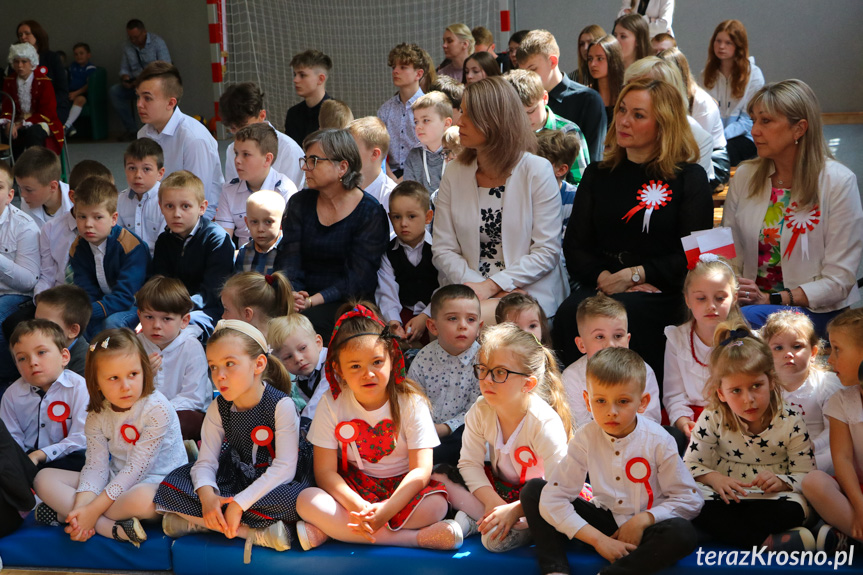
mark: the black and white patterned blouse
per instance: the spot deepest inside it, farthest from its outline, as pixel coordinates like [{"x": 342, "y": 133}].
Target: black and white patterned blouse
[{"x": 490, "y": 236}]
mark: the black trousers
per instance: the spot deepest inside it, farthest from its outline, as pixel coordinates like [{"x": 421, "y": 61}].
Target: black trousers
[
  {"x": 449, "y": 449},
  {"x": 748, "y": 523},
  {"x": 662, "y": 544},
  {"x": 740, "y": 148},
  {"x": 16, "y": 477},
  {"x": 647, "y": 314}
]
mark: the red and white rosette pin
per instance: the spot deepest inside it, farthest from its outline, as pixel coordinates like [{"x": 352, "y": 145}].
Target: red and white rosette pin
[
  {"x": 130, "y": 433},
  {"x": 262, "y": 436},
  {"x": 651, "y": 197},
  {"x": 527, "y": 459},
  {"x": 638, "y": 471},
  {"x": 347, "y": 433},
  {"x": 59, "y": 412},
  {"x": 799, "y": 223}
]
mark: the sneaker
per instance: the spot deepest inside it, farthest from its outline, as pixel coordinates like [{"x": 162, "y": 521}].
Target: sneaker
[
  {"x": 132, "y": 528},
  {"x": 797, "y": 539},
  {"x": 70, "y": 131},
  {"x": 515, "y": 538},
  {"x": 191, "y": 450},
  {"x": 275, "y": 537},
  {"x": 177, "y": 526},
  {"x": 830, "y": 539},
  {"x": 443, "y": 535},
  {"x": 466, "y": 522},
  {"x": 310, "y": 536},
  {"x": 44, "y": 515}
]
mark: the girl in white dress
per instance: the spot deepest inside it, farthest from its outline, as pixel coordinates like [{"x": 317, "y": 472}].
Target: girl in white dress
[{"x": 133, "y": 441}]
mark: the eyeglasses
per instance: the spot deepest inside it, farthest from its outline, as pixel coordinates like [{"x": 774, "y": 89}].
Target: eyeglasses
[
  {"x": 311, "y": 162},
  {"x": 498, "y": 374}
]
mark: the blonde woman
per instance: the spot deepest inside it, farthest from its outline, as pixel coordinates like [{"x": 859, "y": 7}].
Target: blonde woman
[{"x": 458, "y": 44}]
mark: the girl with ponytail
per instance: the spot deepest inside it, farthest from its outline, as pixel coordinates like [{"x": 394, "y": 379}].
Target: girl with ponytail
[{"x": 256, "y": 298}]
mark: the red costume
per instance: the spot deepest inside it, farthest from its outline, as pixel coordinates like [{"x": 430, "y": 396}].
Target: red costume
[{"x": 43, "y": 104}]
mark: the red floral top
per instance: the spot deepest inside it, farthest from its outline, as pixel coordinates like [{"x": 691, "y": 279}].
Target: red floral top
[{"x": 769, "y": 252}]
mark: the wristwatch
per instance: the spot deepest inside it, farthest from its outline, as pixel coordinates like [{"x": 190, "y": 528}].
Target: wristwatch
[
  {"x": 776, "y": 298},
  {"x": 636, "y": 277}
]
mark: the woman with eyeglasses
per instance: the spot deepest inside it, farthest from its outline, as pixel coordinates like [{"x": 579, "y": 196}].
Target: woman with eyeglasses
[{"x": 333, "y": 233}]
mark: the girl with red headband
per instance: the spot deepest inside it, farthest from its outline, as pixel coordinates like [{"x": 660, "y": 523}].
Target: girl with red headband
[{"x": 373, "y": 435}]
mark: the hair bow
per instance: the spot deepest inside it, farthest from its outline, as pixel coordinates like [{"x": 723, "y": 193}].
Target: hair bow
[{"x": 735, "y": 336}]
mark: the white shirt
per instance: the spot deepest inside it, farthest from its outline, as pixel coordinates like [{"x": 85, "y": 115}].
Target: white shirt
[
  {"x": 575, "y": 383},
  {"x": 99, "y": 262},
  {"x": 706, "y": 113},
  {"x": 25, "y": 94},
  {"x": 142, "y": 217},
  {"x": 55, "y": 240},
  {"x": 846, "y": 405},
  {"x": 380, "y": 189},
  {"x": 605, "y": 458},
  {"x": 417, "y": 429},
  {"x": 387, "y": 292},
  {"x": 184, "y": 376},
  {"x": 659, "y": 15},
  {"x": 448, "y": 381},
  {"x": 26, "y": 415},
  {"x": 684, "y": 379},
  {"x": 810, "y": 399},
  {"x": 320, "y": 389},
  {"x": 232, "y": 203},
  {"x": 114, "y": 464},
  {"x": 19, "y": 248},
  {"x": 704, "y": 141},
  {"x": 541, "y": 431},
  {"x": 733, "y": 110},
  {"x": 281, "y": 470},
  {"x": 188, "y": 145},
  {"x": 38, "y": 214},
  {"x": 287, "y": 160}
]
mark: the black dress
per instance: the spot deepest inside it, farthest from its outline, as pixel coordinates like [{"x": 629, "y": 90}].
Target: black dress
[{"x": 612, "y": 228}]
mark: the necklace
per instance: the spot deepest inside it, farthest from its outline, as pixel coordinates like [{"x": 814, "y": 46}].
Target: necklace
[{"x": 692, "y": 345}]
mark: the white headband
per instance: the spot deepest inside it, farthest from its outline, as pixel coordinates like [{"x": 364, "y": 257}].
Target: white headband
[
  {"x": 23, "y": 51},
  {"x": 246, "y": 329},
  {"x": 708, "y": 258}
]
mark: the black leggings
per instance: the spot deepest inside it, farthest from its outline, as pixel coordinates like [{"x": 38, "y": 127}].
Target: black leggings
[
  {"x": 740, "y": 148},
  {"x": 16, "y": 477},
  {"x": 748, "y": 523}
]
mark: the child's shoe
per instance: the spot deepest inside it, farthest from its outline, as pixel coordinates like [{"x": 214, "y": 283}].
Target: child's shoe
[
  {"x": 310, "y": 536},
  {"x": 829, "y": 539},
  {"x": 515, "y": 538},
  {"x": 797, "y": 539},
  {"x": 275, "y": 537},
  {"x": 133, "y": 530},
  {"x": 177, "y": 526},
  {"x": 466, "y": 522},
  {"x": 44, "y": 515},
  {"x": 443, "y": 535}
]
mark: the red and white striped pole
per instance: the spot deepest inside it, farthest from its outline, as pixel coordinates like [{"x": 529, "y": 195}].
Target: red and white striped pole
[
  {"x": 505, "y": 24},
  {"x": 214, "y": 18}
]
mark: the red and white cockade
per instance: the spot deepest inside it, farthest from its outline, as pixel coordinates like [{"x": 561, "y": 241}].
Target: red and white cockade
[
  {"x": 800, "y": 222},
  {"x": 651, "y": 197}
]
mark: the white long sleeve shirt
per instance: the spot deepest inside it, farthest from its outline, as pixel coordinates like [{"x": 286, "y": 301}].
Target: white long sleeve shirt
[
  {"x": 605, "y": 458},
  {"x": 810, "y": 399},
  {"x": 143, "y": 216},
  {"x": 26, "y": 415},
  {"x": 232, "y": 203},
  {"x": 287, "y": 160},
  {"x": 387, "y": 292},
  {"x": 184, "y": 377},
  {"x": 685, "y": 378},
  {"x": 38, "y": 213},
  {"x": 19, "y": 248},
  {"x": 55, "y": 239}
]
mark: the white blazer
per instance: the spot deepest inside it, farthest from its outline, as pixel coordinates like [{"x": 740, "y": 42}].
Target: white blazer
[
  {"x": 530, "y": 231},
  {"x": 828, "y": 275}
]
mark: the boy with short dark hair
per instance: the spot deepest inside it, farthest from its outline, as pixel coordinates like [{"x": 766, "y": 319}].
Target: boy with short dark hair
[
  {"x": 444, "y": 368},
  {"x": 45, "y": 409},
  {"x": 138, "y": 205},
  {"x": 193, "y": 249},
  {"x": 310, "y": 71},
  {"x": 243, "y": 104},
  {"x": 109, "y": 262},
  {"x": 534, "y": 98},
  {"x": 602, "y": 323},
  {"x": 408, "y": 63},
  {"x": 539, "y": 53},
  {"x": 177, "y": 357},
  {"x": 186, "y": 143},
  {"x": 454, "y": 90},
  {"x": 43, "y": 195},
  {"x": 561, "y": 149},
  {"x": 432, "y": 117},
  {"x": 643, "y": 495},
  {"x": 69, "y": 307},
  {"x": 79, "y": 73},
  {"x": 373, "y": 143},
  {"x": 264, "y": 211},
  {"x": 407, "y": 277},
  {"x": 483, "y": 40},
  {"x": 255, "y": 149}
]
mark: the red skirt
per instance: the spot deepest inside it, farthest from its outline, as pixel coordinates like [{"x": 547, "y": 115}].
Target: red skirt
[{"x": 377, "y": 489}]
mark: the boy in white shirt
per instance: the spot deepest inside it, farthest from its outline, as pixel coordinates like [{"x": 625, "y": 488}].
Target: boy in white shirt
[
  {"x": 45, "y": 409},
  {"x": 255, "y": 149},
  {"x": 426, "y": 163},
  {"x": 444, "y": 368},
  {"x": 373, "y": 142},
  {"x": 243, "y": 104},
  {"x": 602, "y": 323},
  {"x": 179, "y": 363},
  {"x": 43, "y": 195},
  {"x": 264, "y": 211},
  {"x": 138, "y": 205},
  {"x": 643, "y": 495},
  {"x": 303, "y": 354},
  {"x": 19, "y": 266},
  {"x": 186, "y": 143}
]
